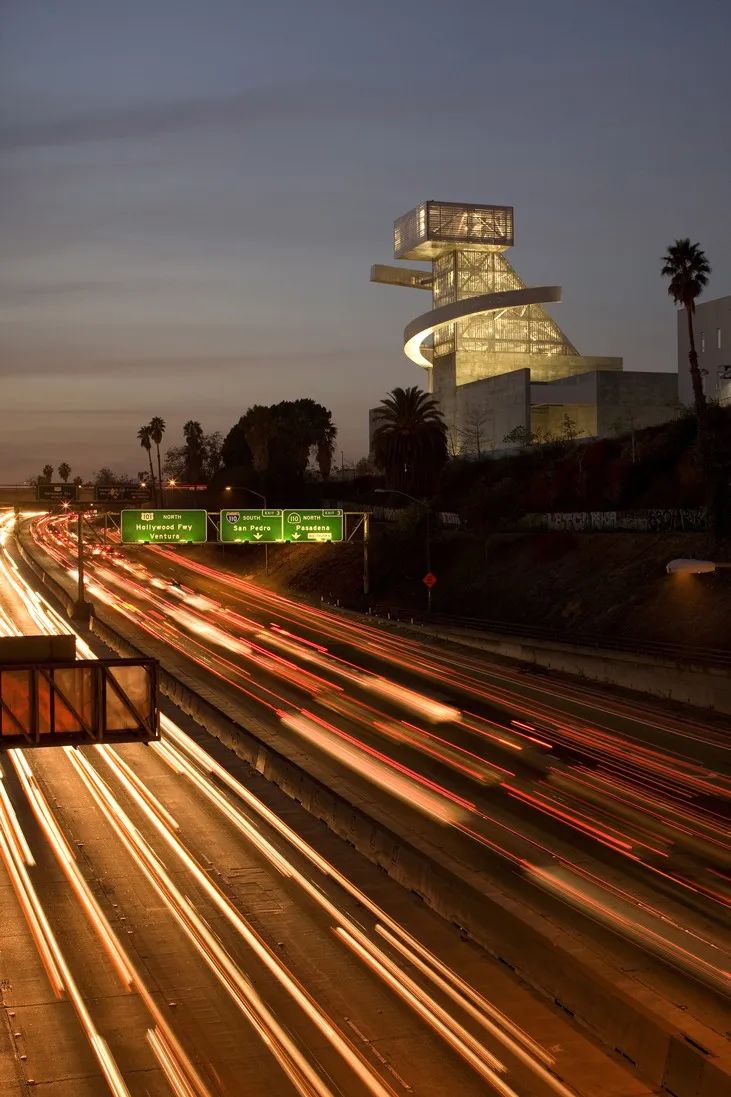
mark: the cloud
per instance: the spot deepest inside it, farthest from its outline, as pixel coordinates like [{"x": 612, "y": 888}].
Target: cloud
[
  {"x": 281, "y": 103},
  {"x": 100, "y": 368}
]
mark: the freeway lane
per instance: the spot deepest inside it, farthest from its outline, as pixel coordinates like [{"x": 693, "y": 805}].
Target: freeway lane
[
  {"x": 619, "y": 813},
  {"x": 215, "y": 949},
  {"x": 567, "y": 799}
]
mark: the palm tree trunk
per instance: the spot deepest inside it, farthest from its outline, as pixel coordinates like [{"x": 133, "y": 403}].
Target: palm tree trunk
[
  {"x": 152, "y": 476},
  {"x": 699, "y": 396},
  {"x": 159, "y": 473}
]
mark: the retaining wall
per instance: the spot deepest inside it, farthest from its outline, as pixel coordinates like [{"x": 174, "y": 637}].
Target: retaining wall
[{"x": 704, "y": 686}]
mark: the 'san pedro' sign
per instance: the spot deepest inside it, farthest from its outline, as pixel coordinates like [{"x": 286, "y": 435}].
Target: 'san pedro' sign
[{"x": 142, "y": 527}]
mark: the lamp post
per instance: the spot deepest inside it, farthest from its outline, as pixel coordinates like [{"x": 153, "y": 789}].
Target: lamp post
[
  {"x": 82, "y": 609},
  {"x": 693, "y": 567},
  {"x": 427, "y": 508},
  {"x": 263, "y": 498}
]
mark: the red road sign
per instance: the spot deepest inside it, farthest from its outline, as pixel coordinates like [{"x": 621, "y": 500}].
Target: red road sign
[{"x": 429, "y": 579}]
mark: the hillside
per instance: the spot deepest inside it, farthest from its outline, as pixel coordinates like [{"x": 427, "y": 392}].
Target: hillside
[{"x": 608, "y": 583}]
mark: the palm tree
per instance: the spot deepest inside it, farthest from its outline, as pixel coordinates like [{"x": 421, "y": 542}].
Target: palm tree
[
  {"x": 146, "y": 442},
  {"x": 410, "y": 441},
  {"x": 194, "y": 451},
  {"x": 157, "y": 429},
  {"x": 64, "y": 471},
  {"x": 687, "y": 268},
  {"x": 47, "y": 472}
]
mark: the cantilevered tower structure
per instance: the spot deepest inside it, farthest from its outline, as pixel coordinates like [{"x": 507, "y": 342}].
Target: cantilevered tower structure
[{"x": 494, "y": 357}]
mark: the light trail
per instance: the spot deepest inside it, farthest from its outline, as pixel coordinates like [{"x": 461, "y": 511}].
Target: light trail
[
  {"x": 484, "y": 1012},
  {"x": 165, "y": 824},
  {"x": 516, "y": 737},
  {"x": 166, "y": 1047},
  {"x": 578, "y": 817},
  {"x": 52, "y": 957}
]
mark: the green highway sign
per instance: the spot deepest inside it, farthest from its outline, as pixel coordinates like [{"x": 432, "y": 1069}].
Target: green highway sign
[
  {"x": 256, "y": 526},
  {"x": 48, "y": 492},
  {"x": 312, "y": 525},
  {"x": 163, "y": 526}
]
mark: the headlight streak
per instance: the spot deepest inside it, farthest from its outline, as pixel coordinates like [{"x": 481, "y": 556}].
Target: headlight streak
[
  {"x": 383, "y": 771},
  {"x": 460, "y": 1041},
  {"x": 53, "y": 960},
  {"x": 279, "y": 971},
  {"x": 547, "y": 729},
  {"x": 176, "y": 748},
  {"x": 275, "y": 1038},
  {"x": 181, "y": 1073},
  {"x": 502, "y": 1088}
]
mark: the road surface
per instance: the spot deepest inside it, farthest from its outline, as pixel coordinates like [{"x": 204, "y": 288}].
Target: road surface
[{"x": 173, "y": 925}]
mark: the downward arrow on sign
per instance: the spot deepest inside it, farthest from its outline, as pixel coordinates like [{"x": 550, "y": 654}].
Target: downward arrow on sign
[
  {"x": 295, "y": 536},
  {"x": 257, "y": 536}
]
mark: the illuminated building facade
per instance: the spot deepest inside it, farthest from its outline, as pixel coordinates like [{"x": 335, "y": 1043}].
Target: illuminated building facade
[
  {"x": 712, "y": 324},
  {"x": 491, "y": 351}
]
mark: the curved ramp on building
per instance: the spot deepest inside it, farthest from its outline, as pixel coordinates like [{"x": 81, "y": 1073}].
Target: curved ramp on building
[{"x": 422, "y": 327}]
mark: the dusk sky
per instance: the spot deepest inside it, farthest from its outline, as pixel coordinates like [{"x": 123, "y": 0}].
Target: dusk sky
[{"x": 193, "y": 191}]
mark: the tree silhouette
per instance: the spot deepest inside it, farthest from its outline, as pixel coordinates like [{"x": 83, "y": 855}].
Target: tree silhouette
[
  {"x": 47, "y": 472},
  {"x": 146, "y": 442},
  {"x": 157, "y": 429},
  {"x": 410, "y": 441},
  {"x": 64, "y": 471},
  {"x": 686, "y": 266}
]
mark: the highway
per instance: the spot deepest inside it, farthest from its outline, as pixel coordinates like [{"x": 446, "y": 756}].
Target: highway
[
  {"x": 172, "y": 924},
  {"x": 609, "y": 815},
  {"x": 618, "y": 810}
]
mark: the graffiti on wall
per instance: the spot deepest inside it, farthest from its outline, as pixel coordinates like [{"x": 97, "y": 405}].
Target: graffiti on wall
[{"x": 654, "y": 520}]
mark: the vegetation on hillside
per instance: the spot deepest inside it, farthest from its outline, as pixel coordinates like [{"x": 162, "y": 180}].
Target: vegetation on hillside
[{"x": 659, "y": 466}]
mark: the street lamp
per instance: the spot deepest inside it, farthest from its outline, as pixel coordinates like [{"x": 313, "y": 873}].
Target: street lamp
[
  {"x": 693, "y": 567},
  {"x": 82, "y": 609},
  {"x": 427, "y": 508}
]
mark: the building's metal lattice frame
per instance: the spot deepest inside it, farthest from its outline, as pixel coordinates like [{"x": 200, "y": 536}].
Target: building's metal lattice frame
[
  {"x": 431, "y": 228},
  {"x": 463, "y": 273}
]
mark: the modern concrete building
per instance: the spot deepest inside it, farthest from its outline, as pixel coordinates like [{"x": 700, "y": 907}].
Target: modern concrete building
[
  {"x": 712, "y": 326},
  {"x": 493, "y": 356}
]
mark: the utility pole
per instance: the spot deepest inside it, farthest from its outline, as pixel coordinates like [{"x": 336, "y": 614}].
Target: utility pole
[{"x": 428, "y": 556}]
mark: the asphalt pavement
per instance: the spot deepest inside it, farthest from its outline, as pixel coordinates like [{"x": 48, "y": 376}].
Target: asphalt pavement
[{"x": 173, "y": 923}]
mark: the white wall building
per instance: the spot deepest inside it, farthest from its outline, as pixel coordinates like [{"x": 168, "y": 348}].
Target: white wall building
[{"x": 712, "y": 326}]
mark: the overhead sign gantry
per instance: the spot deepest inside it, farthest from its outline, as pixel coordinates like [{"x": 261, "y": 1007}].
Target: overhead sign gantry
[{"x": 298, "y": 526}]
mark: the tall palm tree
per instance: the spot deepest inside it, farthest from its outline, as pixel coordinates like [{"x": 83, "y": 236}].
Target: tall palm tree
[
  {"x": 48, "y": 472},
  {"x": 146, "y": 442},
  {"x": 64, "y": 471},
  {"x": 157, "y": 429},
  {"x": 687, "y": 268},
  {"x": 410, "y": 441},
  {"x": 194, "y": 451}
]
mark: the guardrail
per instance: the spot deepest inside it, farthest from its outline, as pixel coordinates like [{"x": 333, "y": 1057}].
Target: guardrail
[{"x": 681, "y": 652}]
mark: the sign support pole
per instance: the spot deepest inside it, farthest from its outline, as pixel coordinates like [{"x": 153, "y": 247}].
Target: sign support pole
[{"x": 366, "y": 539}]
